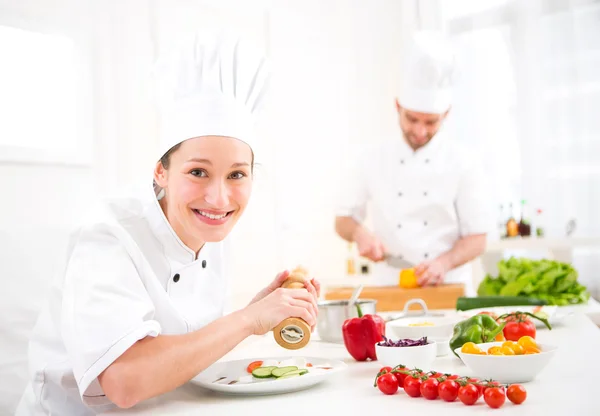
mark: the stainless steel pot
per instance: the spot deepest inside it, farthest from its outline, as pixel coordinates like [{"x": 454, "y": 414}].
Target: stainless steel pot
[{"x": 333, "y": 313}]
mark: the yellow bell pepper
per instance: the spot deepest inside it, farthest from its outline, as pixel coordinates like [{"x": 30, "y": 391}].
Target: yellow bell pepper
[{"x": 408, "y": 279}]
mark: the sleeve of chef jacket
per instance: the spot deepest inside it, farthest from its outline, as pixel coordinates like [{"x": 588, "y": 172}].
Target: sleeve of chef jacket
[
  {"x": 106, "y": 308},
  {"x": 353, "y": 192},
  {"x": 473, "y": 202}
]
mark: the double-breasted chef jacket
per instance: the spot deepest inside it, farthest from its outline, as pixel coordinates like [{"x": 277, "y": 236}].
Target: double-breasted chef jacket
[
  {"x": 128, "y": 276},
  {"x": 419, "y": 202}
]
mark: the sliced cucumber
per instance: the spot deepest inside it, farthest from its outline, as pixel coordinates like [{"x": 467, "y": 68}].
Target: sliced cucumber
[
  {"x": 263, "y": 372},
  {"x": 280, "y": 371},
  {"x": 289, "y": 376},
  {"x": 295, "y": 373}
]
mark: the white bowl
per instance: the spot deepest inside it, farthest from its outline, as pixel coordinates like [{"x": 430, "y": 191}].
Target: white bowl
[
  {"x": 441, "y": 331},
  {"x": 442, "y": 327},
  {"x": 443, "y": 346},
  {"x": 420, "y": 356},
  {"x": 507, "y": 368}
]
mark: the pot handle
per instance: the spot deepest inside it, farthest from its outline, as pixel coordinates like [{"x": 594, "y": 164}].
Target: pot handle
[{"x": 419, "y": 302}]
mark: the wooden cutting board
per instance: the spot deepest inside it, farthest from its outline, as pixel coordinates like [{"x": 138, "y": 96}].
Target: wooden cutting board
[{"x": 393, "y": 298}]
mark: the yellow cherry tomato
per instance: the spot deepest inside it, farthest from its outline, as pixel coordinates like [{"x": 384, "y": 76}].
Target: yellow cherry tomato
[
  {"x": 527, "y": 341},
  {"x": 495, "y": 351},
  {"x": 507, "y": 351},
  {"x": 532, "y": 350},
  {"x": 519, "y": 350},
  {"x": 471, "y": 348}
]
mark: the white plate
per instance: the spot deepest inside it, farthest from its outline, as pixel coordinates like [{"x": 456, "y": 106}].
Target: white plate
[
  {"x": 234, "y": 370},
  {"x": 555, "y": 314}
]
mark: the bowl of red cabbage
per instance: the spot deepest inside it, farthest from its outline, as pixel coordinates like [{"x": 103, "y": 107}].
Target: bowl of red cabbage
[{"x": 412, "y": 353}]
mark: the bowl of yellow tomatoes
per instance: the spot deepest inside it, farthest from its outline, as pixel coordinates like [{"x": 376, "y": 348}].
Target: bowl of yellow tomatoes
[{"x": 507, "y": 361}]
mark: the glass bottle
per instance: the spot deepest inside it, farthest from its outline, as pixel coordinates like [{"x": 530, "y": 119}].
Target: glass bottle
[
  {"x": 524, "y": 224},
  {"x": 512, "y": 227}
]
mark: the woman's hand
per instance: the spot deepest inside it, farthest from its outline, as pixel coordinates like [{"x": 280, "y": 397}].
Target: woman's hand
[
  {"x": 312, "y": 285},
  {"x": 280, "y": 304}
]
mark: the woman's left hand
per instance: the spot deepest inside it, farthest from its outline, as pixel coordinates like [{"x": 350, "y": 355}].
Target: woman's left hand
[{"x": 312, "y": 285}]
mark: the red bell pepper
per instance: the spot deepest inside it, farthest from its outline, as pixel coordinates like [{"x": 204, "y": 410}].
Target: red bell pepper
[{"x": 361, "y": 334}]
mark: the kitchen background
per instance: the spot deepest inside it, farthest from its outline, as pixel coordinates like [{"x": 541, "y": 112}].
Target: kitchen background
[{"x": 77, "y": 121}]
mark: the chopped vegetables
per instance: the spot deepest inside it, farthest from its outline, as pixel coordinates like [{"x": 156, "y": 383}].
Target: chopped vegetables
[
  {"x": 253, "y": 365},
  {"x": 268, "y": 370},
  {"x": 402, "y": 342},
  {"x": 278, "y": 372},
  {"x": 422, "y": 324}
]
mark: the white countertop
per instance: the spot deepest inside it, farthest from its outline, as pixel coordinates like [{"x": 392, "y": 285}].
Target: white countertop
[{"x": 557, "y": 390}]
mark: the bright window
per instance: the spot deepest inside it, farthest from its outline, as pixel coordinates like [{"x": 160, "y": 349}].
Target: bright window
[
  {"x": 528, "y": 98},
  {"x": 39, "y": 100}
]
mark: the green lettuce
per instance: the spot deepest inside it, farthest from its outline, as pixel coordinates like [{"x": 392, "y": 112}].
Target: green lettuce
[{"x": 550, "y": 280}]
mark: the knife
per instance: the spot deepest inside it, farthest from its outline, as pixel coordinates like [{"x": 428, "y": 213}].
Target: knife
[{"x": 398, "y": 262}]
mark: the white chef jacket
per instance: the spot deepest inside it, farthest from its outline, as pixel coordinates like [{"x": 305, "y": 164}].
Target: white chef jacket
[
  {"x": 127, "y": 276},
  {"x": 420, "y": 203}
]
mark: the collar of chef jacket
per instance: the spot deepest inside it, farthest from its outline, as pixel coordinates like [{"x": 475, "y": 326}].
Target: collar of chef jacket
[
  {"x": 404, "y": 150},
  {"x": 188, "y": 275}
]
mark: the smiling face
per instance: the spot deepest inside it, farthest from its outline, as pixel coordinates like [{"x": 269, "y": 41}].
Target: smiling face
[{"x": 207, "y": 182}]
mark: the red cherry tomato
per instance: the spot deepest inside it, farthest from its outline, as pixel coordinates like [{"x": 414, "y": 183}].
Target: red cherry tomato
[
  {"x": 479, "y": 386},
  {"x": 429, "y": 388},
  {"x": 448, "y": 390},
  {"x": 494, "y": 384},
  {"x": 387, "y": 383},
  {"x": 516, "y": 329},
  {"x": 253, "y": 366},
  {"x": 494, "y": 397},
  {"x": 412, "y": 386},
  {"x": 384, "y": 370},
  {"x": 516, "y": 393},
  {"x": 400, "y": 377},
  {"x": 468, "y": 394}
]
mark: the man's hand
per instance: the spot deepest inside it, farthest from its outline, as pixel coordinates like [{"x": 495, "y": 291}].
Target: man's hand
[
  {"x": 432, "y": 273},
  {"x": 368, "y": 245},
  {"x": 312, "y": 285}
]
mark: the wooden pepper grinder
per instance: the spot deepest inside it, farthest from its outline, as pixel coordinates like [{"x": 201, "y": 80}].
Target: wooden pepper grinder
[{"x": 293, "y": 333}]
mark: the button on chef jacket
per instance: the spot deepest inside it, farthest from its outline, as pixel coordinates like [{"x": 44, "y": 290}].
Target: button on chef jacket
[
  {"x": 420, "y": 203},
  {"x": 128, "y": 276}
]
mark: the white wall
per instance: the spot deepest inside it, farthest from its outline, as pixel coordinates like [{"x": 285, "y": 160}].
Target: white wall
[{"x": 337, "y": 66}]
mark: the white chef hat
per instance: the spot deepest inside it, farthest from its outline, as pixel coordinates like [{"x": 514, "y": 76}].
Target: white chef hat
[
  {"x": 428, "y": 73},
  {"x": 213, "y": 83}
]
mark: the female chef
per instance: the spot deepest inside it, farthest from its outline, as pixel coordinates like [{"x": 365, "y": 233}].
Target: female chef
[{"x": 139, "y": 308}]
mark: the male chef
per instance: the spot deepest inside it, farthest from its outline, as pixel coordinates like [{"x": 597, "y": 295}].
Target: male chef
[{"x": 426, "y": 192}]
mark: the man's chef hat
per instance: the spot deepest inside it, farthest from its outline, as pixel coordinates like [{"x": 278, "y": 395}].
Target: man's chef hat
[
  {"x": 428, "y": 74},
  {"x": 212, "y": 84}
]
